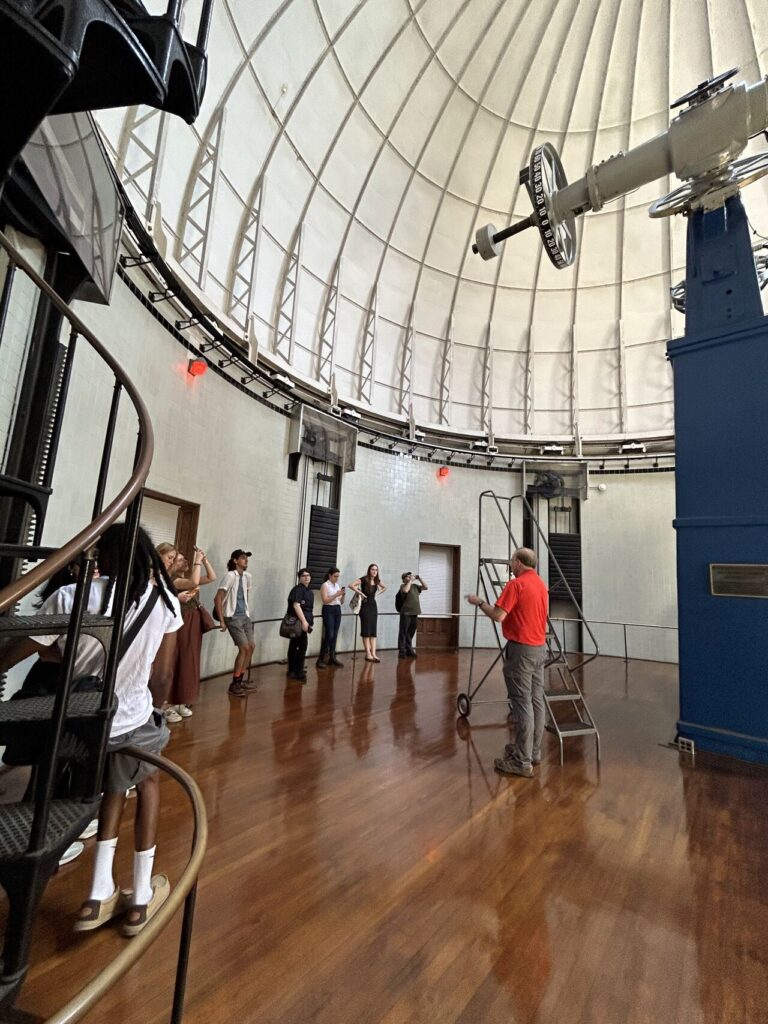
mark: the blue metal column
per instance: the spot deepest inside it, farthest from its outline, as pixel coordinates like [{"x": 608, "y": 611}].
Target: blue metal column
[{"x": 721, "y": 442}]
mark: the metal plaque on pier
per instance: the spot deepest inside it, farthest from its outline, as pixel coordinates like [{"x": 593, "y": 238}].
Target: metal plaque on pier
[{"x": 738, "y": 580}]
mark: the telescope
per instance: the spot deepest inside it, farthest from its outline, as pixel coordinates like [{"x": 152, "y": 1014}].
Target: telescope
[{"x": 701, "y": 147}]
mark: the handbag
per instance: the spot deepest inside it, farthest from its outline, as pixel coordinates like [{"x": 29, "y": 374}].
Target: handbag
[
  {"x": 206, "y": 620},
  {"x": 290, "y": 626},
  {"x": 354, "y": 604}
]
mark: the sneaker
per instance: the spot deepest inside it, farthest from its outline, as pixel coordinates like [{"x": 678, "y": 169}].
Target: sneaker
[
  {"x": 335, "y": 661},
  {"x": 90, "y": 829},
  {"x": 510, "y": 751},
  {"x": 71, "y": 853},
  {"x": 402, "y": 655},
  {"x": 321, "y": 663},
  {"x": 184, "y": 710},
  {"x": 411, "y": 654},
  {"x": 508, "y": 766},
  {"x": 250, "y": 685},
  {"x": 172, "y": 715},
  {"x": 236, "y": 689}
]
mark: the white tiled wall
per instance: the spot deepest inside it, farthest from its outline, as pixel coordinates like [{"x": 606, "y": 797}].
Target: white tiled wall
[{"x": 628, "y": 563}]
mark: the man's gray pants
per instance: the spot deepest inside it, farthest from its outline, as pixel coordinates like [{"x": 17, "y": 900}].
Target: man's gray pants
[{"x": 524, "y": 676}]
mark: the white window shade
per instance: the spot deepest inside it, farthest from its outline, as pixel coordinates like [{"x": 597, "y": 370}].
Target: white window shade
[
  {"x": 160, "y": 520},
  {"x": 436, "y": 567}
]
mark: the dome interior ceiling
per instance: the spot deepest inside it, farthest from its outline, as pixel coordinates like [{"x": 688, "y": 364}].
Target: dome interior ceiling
[{"x": 346, "y": 153}]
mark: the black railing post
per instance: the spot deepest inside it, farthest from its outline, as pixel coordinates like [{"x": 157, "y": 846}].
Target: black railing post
[
  {"x": 106, "y": 454},
  {"x": 174, "y": 10},
  {"x": 49, "y": 764},
  {"x": 185, "y": 943},
  {"x": 5, "y": 298},
  {"x": 204, "y": 28}
]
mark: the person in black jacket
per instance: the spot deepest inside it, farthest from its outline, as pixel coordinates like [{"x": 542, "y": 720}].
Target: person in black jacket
[{"x": 300, "y": 603}]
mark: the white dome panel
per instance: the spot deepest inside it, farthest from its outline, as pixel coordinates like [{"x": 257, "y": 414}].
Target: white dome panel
[{"x": 376, "y": 136}]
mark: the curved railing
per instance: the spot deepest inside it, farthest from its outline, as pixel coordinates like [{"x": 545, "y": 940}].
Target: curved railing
[
  {"x": 14, "y": 591},
  {"x": 183, "y": 891}
]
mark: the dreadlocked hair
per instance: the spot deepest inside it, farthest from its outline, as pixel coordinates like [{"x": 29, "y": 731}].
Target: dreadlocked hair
[
  {"x": 60, "y": 579},
  {"x": 146, "y": 565}
]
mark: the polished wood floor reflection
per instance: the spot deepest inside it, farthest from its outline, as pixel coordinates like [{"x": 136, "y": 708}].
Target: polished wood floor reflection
[{"x": 367, "y": 866}]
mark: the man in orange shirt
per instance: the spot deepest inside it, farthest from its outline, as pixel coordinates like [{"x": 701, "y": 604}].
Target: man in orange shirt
[{"x": 522, "y": 610}]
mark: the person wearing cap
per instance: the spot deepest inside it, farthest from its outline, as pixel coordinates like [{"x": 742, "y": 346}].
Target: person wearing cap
[{"x": 233, "y": 609}]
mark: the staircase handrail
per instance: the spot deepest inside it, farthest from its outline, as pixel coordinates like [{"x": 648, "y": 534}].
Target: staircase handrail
[
  {"x": 183, "y": 890},
  {"x": 14, "y": 591}
]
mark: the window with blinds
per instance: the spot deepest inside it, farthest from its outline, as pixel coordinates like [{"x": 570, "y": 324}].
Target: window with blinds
[
  {"x": 436, "y": 567},
  {"x": 160, "y": 519}
]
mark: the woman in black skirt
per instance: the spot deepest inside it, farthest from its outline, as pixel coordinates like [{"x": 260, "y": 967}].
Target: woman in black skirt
[{"x": 368, "y": 587}]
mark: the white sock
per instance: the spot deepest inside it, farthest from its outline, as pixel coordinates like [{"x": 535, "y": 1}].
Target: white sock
[
  {"x": 142, "y": 876},
  {"x": 103, "y": 885}
]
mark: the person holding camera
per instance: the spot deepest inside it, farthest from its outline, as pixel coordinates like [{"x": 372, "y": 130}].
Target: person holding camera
[
  {"x": 185, "y": 688},
  {"x": 332, "y": 594},
  {"x": 300, "y": 603},
  {"x": 409, "y": 605}
]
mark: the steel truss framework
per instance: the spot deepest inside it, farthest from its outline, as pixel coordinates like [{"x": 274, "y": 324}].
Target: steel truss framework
[
  {"x": 242, "y": 286},
  {"x": 285, "y": 321},
  {"x": 200, "y": 204}
]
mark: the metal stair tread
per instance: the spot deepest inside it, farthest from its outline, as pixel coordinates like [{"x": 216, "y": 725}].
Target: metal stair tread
[
  {"x": 40, "y": 709},
  {"x": 47, "y": 625},
  {"x": 66, "y": 821},
  {"x": 556, "y": 695},
  {"x": 576, "y": 729}
]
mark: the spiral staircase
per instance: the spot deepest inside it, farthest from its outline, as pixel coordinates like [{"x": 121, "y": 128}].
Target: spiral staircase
[{"x": 68, "y": 56}]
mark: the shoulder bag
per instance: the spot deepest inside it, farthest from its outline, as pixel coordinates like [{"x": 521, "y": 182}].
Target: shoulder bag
[{"x": 290, "y": 626}]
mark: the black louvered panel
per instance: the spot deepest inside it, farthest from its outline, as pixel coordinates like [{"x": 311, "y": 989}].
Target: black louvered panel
[
  {"x": 323, "y": 544},
  {"x": 566, "y": 548}
]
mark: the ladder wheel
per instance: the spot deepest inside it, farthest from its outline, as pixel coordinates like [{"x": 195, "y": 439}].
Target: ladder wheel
[{"x": 464, "y": 705}]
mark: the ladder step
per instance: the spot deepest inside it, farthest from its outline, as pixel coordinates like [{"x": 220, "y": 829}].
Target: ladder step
[
  {"x": 559, "y": 695},
  {"x": 494, "y": 561},
  {"x": 576, "y": 729}
]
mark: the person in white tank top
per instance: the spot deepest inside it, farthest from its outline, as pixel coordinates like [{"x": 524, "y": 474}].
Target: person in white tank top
[{"x": 333, "y": 596}]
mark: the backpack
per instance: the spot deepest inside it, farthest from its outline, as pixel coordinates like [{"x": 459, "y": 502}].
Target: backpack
[{"x": 399, "y": 600}]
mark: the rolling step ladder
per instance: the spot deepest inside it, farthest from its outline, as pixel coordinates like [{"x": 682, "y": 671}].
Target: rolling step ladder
[{"x": 567, "y": 710}]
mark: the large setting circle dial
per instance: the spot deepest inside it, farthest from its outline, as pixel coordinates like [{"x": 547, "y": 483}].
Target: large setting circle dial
[{"x": 546, "y": 177}]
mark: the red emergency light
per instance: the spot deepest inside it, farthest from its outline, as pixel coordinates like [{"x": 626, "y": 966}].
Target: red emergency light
[{"x": 197, "y": 367}]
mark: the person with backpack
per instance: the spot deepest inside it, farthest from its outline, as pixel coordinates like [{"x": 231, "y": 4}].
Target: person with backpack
[
  {"x": 407, "y": 602},
  {"x": 143, "y": 678}
]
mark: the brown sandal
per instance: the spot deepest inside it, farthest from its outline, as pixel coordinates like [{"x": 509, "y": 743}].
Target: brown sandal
[
  {"x": 95, "y": 913},
  {"x": 161, "y": 890}
]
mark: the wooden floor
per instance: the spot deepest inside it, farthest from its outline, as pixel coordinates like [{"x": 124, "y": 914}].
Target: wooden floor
[{"x": 367, "y": 866}]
